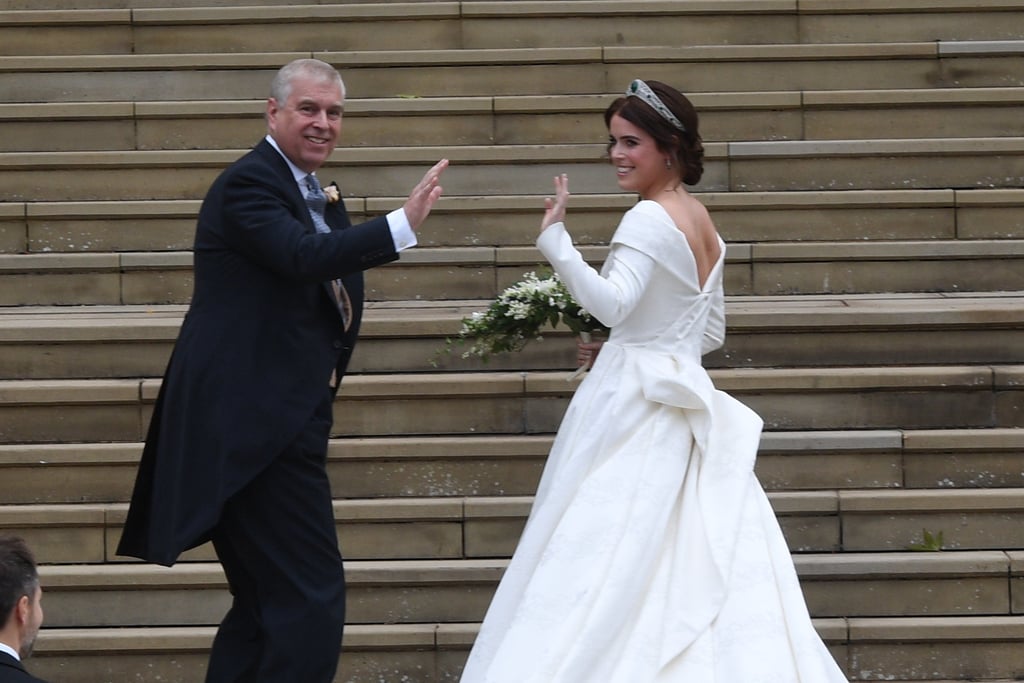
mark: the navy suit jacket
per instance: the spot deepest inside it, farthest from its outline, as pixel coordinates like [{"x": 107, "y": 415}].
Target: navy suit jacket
[
  {"x": 11, "y": 671},
  {"x": 255, "y": 352}
]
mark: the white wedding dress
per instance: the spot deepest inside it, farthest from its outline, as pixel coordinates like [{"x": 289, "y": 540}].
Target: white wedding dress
[{"x": 651, "y": 554}]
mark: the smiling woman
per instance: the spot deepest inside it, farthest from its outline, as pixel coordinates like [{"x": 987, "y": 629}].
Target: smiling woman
[
  {"x": 655, "y": 153},
  {"x": 639, "y": 165},
  {"x": 651, "y": 554},
  {"x": 649, "y": 108}
]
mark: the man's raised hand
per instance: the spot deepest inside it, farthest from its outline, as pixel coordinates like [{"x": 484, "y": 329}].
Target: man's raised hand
[{"x": 424, "y": 195}]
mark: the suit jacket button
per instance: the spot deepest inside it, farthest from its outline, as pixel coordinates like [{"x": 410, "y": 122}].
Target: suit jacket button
[{"x": 338, "y": 345}]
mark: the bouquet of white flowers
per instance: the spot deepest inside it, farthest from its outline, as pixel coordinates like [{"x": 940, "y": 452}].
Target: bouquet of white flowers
[{"x": 519, "y": 315}]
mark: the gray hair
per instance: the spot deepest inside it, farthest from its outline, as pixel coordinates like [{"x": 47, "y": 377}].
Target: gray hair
[{"x": 281, "y": 86}]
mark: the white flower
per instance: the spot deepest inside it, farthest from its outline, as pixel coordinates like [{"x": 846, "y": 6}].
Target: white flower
[
  {"x": 519, "y": 314},
  {"x": 333, "y": 193}
]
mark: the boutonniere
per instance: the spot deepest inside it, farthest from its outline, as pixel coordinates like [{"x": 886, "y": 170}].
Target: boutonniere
[{"x": 333, "y": 193}]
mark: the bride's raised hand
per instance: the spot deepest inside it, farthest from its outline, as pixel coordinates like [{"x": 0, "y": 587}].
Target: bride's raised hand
[{"x": 554, "y": 209}]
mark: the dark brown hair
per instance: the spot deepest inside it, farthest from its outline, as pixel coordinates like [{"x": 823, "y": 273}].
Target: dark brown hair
[
  {"x": 686, "y": 147},
  {"x": 18, "y": 575}
]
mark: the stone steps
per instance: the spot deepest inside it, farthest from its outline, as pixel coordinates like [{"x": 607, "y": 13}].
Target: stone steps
[
  {"x": 140, "y": 27},
  {"x": 524, "y": 71},
  {"x": 517, "y": 120},
  {"x": 458, "y": 273},
  {"x": 865, "y": 163},
  {"x": 51, "y": 227},
  {"x": 901, "y": 584},
  {"x": 395, "y": 468},
  {"x": 938, "y": 649},
  {"x": 424, "y": 653},
  {"x": 150, "y": 4},
  {"x": 773, "y": 166},
  {"x": 122, "y": 341},
  {"x": 367, "y": 468},
  {"x": 529, "y": 402},
  {"x": 479, "y": 526}
]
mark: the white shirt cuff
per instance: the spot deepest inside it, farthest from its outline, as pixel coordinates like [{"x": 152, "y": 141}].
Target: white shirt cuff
[{"x": 401, "y": 232}]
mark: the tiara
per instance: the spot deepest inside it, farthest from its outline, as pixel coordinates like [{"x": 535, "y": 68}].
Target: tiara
[{"x": 640, "y": 89}]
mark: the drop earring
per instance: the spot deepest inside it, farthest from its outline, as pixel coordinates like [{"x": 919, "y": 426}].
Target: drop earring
[{"x": 668, "y": 163}]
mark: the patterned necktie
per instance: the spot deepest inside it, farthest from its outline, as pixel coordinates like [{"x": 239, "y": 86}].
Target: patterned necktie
[{"x": 316, "y": 200}]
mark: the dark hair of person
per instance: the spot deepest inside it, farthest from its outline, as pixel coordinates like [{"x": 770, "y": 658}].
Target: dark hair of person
[
  {"x": 18, "y": 574},
  {"x": 686, "y": 147}
]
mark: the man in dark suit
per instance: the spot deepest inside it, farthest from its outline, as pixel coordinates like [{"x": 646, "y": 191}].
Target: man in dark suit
[
  {"x": 21, "y": 609},
  {"x": 236, "y": 448}
]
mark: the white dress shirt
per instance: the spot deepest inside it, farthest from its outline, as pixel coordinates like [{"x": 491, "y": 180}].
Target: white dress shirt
[{"x": 4, "y": 647}]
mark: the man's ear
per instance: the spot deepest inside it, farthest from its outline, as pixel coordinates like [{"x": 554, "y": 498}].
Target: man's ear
[
  {"x": 22, "y": 609},
  {"x": 271, "y": 112}
]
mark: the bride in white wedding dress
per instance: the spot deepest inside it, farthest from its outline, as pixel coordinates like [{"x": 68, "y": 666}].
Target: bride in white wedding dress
[{"x": 651, "y": 554}]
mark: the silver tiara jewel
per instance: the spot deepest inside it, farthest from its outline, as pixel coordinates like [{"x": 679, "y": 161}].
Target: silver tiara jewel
[{"x": 640, "y": 89}]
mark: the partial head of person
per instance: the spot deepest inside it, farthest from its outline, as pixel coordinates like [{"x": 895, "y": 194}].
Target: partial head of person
[
  {"x": 20, "y": 596},
  {"x": 653, "y": 137},
  {"x": 307, "y": 98}
]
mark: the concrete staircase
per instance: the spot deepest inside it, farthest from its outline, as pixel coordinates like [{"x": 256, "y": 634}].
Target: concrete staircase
[{"x": 865, "y": 164}]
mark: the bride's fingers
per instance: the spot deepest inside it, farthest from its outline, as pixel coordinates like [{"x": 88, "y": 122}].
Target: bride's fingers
[{"x": 561, "y": 191}]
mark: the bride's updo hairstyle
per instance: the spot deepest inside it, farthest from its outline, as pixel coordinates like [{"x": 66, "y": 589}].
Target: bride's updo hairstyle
[{"x": 668, "y": 117}]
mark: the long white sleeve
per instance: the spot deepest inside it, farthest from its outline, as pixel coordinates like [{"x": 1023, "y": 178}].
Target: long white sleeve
[{"x": 610, "y": 295}]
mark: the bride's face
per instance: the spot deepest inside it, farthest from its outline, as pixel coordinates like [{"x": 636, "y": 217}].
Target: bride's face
[{"x": 639, "y": 164}]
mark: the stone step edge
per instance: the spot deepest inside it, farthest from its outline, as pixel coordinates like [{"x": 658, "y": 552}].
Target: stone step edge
[
  {"x": 468, "y": 9},
  {"x": 897, "y": 566},
  {"x": 733, "y": 201},
  {"x": 821, "y": 443},
  {"x": 597, "y": 55},
  {"x": 534, "y": 383},
  {"x": 172, "y": 16},
  {"x": 511, "y": 155},
  {"x": 462, "y": 508},
  {"x": 518, "y": 104},
  {"x": 429, "y": 319},
  {"x": 460, "y": 636},
  {"x": 530, "y": 257}
]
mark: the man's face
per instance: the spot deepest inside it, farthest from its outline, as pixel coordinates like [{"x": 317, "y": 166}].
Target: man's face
[
  {"x": 32, "y": 624},
  {"x": 307, "y": 125}
]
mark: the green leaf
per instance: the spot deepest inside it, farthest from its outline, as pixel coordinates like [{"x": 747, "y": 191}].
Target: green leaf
[{"x": 929, "y": 542}]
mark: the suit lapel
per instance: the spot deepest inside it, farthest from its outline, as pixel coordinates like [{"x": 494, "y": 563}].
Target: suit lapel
[{"x": 285, "y": 179}]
